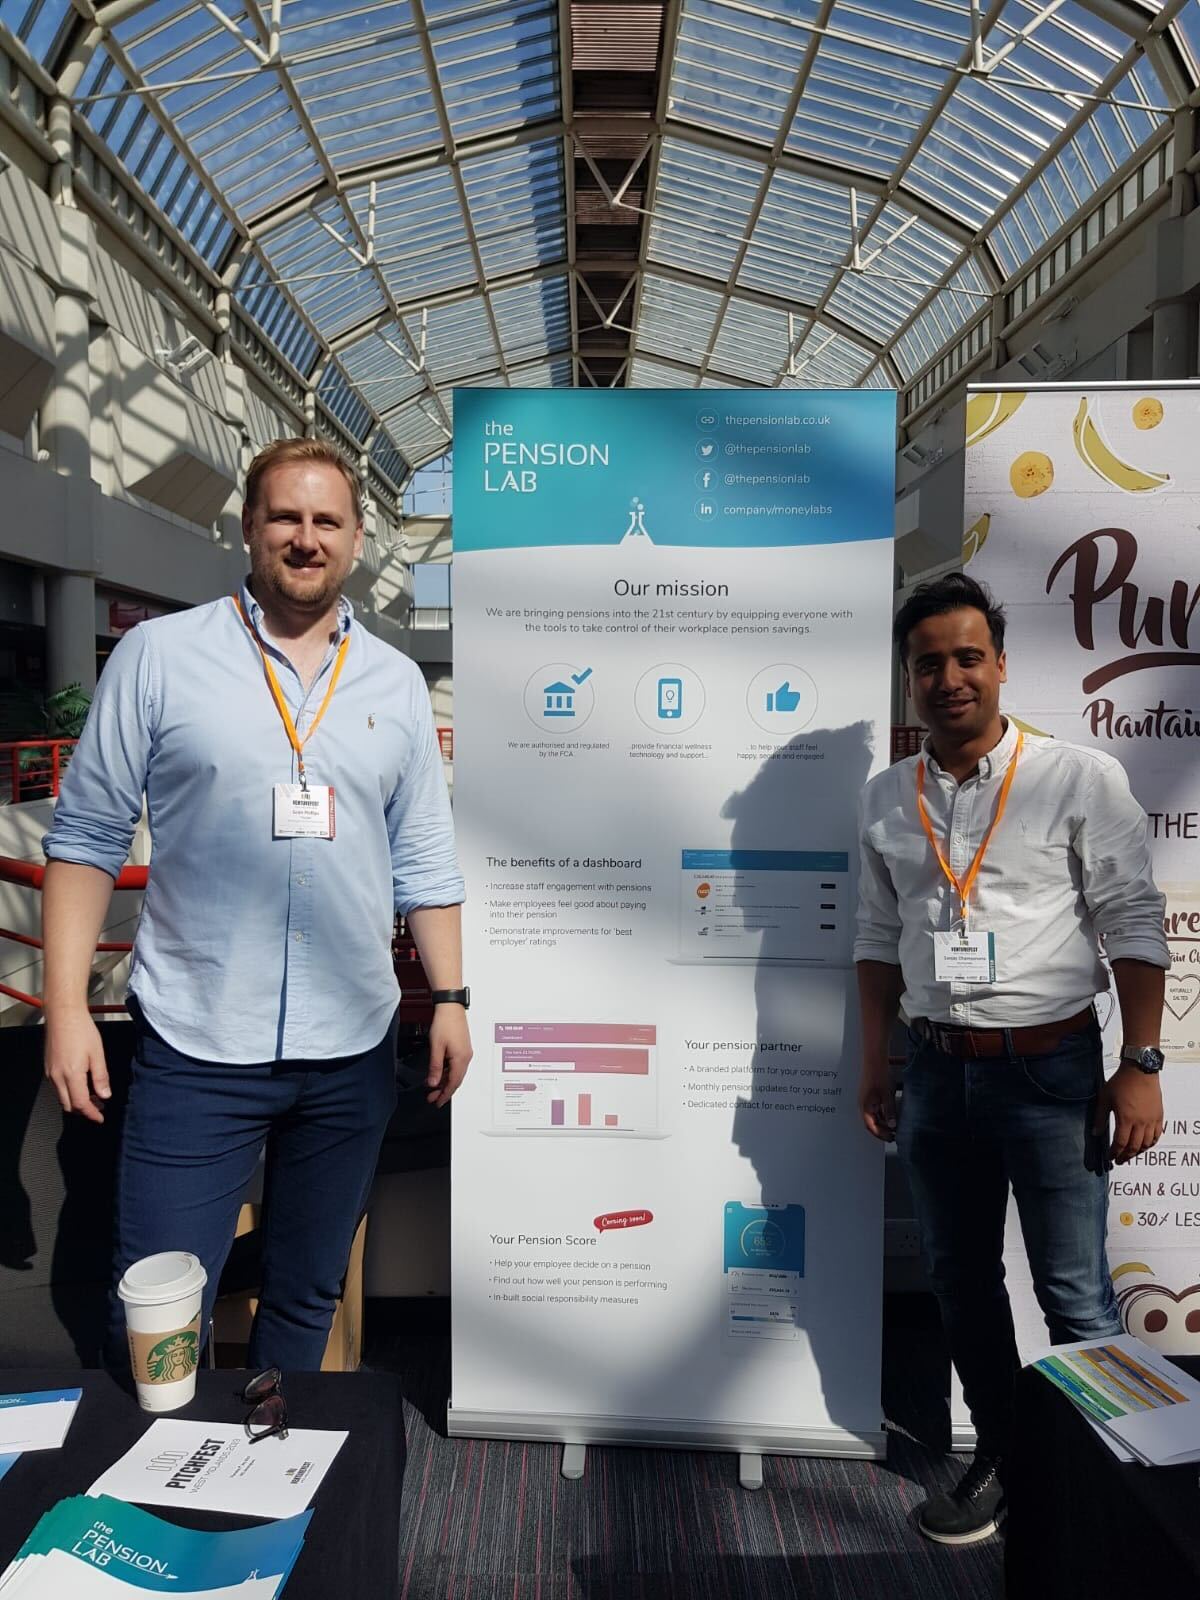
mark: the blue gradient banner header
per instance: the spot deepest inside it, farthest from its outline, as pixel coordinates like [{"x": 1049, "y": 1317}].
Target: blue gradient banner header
[{"x": 696, "y": 468}]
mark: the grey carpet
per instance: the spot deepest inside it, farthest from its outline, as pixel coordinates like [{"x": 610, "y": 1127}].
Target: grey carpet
[{"x": 496, "y": 1521}]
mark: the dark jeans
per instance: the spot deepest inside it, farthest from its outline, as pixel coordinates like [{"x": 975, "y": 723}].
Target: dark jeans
[
  {"x": 969, "y": 1129},
  {"x": 193, "y": 1134}
]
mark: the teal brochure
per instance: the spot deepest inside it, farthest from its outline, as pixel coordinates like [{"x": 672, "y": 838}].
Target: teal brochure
[{"x": 96, "y": 1546}]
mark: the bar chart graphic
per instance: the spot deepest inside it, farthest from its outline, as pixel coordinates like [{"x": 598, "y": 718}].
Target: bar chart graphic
[{"x": 589, "y": 1077}]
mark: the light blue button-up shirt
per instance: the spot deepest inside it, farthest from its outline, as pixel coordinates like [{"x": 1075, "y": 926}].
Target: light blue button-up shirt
[{"x": 252, "y": 948}]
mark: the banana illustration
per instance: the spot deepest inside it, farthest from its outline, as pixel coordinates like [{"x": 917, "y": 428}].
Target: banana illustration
[
  {"x": 1095, "y": 452},
  {"x": 1147, "y": 413},
  {"x": 986, "y": 412},
  {"x": 1031, "y": 474},
  {"x": 976, "y": 537}
]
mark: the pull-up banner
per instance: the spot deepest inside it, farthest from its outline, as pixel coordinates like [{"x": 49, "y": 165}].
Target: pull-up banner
[
  {"x": 671, "y": 682},
  {"x": 1083, "y": 514}
]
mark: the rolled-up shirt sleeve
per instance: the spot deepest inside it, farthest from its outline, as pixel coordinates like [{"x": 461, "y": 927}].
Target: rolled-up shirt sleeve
[
  {"x": 1113, "y": 845},
  {"x": 100, "y": 802},
  {"x": 877, "y": 936},
  {"x": 420, "y": 826}
]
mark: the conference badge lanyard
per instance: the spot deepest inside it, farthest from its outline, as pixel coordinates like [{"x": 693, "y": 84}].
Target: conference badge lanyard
[
  {"x": 964, "y": 955},
  {"x": 301, "y": 810}
]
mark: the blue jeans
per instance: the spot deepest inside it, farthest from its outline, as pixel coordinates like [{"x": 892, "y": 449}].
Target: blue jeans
[
  {"x": 192, "y": 1137},
  {"x": 969, "y": 1129}
]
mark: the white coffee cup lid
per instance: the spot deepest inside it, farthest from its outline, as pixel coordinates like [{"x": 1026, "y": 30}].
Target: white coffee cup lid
[{"x": 170, "y": 1275}]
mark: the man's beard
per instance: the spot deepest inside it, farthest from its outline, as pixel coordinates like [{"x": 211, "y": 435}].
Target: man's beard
[{"x": 271, "y": 579}]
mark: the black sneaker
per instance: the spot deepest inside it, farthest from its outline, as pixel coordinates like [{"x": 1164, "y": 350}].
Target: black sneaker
[{"x": 971, "y": 1511}]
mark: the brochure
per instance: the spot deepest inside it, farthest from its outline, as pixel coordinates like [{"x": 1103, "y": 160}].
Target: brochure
[
  {"x": 36, "y": 1421},
  {"x": 1145, "y": 1408},
  {"x": 214, "y": 1466},
  {"x": 96, "y": 1548}
]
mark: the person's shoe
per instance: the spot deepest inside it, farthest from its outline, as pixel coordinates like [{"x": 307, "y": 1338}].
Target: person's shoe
[{"x": 971, "y": 1511}]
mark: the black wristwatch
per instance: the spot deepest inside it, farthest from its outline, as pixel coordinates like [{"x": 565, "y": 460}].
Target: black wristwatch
[
  {"x": 452, "y": 997},
  {"x": 1147, "y": 1059}
]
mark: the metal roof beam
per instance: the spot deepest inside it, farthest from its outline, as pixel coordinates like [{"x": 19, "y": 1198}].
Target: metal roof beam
[
  {"x": 433, "y": 73},
  {"x": 1049, "y": 154},
  {"x": 444, "y": 297},
  {"x": 398, "y": 167},
  {"x": 766, "y": 177},
  {"x": 567, "y": 92},
  {"x": 842, "y": 177}
]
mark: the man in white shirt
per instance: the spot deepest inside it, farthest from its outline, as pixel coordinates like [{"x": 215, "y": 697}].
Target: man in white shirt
[{"x": 992, "y": 864}]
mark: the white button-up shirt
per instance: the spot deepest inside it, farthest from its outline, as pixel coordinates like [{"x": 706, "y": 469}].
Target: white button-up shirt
[{"x": 1070, "y": 861}]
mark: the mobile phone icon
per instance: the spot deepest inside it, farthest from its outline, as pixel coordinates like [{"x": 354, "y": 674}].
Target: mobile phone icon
[{"x": 670, "y": 698}]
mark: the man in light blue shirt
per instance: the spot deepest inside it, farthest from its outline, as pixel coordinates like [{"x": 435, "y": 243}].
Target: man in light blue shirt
[{"x": 296, "y": 800}]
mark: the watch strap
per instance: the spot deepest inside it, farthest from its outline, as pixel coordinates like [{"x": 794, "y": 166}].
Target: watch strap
[{"x": 452, "y": 997}]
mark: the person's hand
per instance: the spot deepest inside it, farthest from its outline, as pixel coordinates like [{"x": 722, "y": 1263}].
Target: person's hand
[
  {"x": 877, "y": 1103},
  {"x": 74, "y": 1060},
  {"x": 1134, "y": 1099},
  {"x": 449, "y": 1052}
]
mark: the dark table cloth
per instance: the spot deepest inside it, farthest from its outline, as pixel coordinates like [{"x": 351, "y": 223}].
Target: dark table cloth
[
  {"x": 352, "y": 1545},
  {"x": 1083, "y": 1525}
]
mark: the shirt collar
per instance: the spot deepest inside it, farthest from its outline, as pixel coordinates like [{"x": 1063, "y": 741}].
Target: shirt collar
[
  {"x": 345, "y": 611},
  {"x": 991, "y": 765}
]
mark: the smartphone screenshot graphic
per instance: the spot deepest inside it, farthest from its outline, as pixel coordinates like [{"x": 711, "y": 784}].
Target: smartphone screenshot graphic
[
  {"x": 670, "y": 698},
  {"x": 764, "y": 1270}
]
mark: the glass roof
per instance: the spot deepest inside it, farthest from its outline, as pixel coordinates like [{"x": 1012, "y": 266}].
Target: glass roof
[{"x": 834, "y": 195}]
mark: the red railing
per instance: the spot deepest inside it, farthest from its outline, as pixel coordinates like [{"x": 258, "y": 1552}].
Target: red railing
[
  {"x": 416, "y": 1004},
  {"x": 906, "y": 741},
  {"x": 28, "y": 876},
  {"x": 26, "y": 770}
]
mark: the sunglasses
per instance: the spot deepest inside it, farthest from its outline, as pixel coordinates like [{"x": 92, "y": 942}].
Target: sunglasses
[{"x": 268, "y": 1409}]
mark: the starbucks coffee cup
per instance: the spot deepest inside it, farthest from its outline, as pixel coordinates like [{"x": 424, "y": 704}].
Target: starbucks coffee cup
[{"x": 162, "y": 1297}]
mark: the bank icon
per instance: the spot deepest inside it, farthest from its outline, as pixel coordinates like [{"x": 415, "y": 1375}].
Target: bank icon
[{"x": 560, "y": 699}]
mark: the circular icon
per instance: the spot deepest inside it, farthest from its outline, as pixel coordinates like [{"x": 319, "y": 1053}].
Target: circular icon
[
  {"x": 1127, "y": 1219},
  {"x": 762, "y": 1238},
  {"x": 703, "y": 890},
  {"x": 782, "y": 699},
  {"x": 706, "y": 478},
  {"x": 707, "y": 419},
  {"x": 669, "y": 698},
  {"x": 559, "y": 698},
  {"x": 706, "y": 449},
  {"x": 706, "y": 510}
]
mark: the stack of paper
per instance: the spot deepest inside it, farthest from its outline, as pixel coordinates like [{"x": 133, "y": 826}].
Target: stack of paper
[
  {"x": 1143, "y": 1407},
  {"x": 36, "y": 1421},
  {"x": 94, "y": 1548}
]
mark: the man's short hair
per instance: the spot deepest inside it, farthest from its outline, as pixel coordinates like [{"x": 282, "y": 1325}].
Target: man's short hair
[
  {"x": 955, "y": 592},
  {"x": 285, "y": 452}
]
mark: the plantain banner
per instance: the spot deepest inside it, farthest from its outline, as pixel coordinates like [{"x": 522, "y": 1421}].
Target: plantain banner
[{"x": 1082, "y": 513}]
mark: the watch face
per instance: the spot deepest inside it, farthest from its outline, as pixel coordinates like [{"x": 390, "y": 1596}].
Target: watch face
[{"x": 1152, "y": 1060}]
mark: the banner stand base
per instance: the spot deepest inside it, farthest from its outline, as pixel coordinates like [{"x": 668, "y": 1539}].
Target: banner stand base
[
  {"x": 750, "y": 1470},
  {"x": 750, "y": 1443}
]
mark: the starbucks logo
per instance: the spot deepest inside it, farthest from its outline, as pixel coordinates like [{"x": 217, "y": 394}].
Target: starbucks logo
[{"x": 173, "y": 1358}]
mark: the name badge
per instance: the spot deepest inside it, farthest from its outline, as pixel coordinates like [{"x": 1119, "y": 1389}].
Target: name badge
[
  {"x": 962, "y": 957},
  {"x": 303, "y": 813}
]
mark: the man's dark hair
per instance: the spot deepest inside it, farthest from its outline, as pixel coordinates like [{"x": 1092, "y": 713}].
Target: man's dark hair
[{"x": 955, "y": 592}]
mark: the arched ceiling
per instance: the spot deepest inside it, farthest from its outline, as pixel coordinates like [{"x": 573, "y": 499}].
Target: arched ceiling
[{"x": 412, "y": 195}]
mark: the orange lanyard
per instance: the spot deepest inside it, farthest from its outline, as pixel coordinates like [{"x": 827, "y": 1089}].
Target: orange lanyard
[
  {"x": 965, "y": 885},
  {"x": 281, "y": 706}
]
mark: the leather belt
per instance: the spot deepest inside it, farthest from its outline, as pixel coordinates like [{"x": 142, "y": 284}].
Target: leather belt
[{"x": 975, "y": 1043}]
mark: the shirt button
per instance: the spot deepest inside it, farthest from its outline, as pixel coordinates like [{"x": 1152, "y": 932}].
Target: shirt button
[
  {"x": 957, "y": 1010},
  {"x": 299, "y": 938}
]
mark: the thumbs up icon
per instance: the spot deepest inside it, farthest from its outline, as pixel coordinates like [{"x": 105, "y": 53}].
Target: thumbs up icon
[{"x": 783, "y": 699}]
